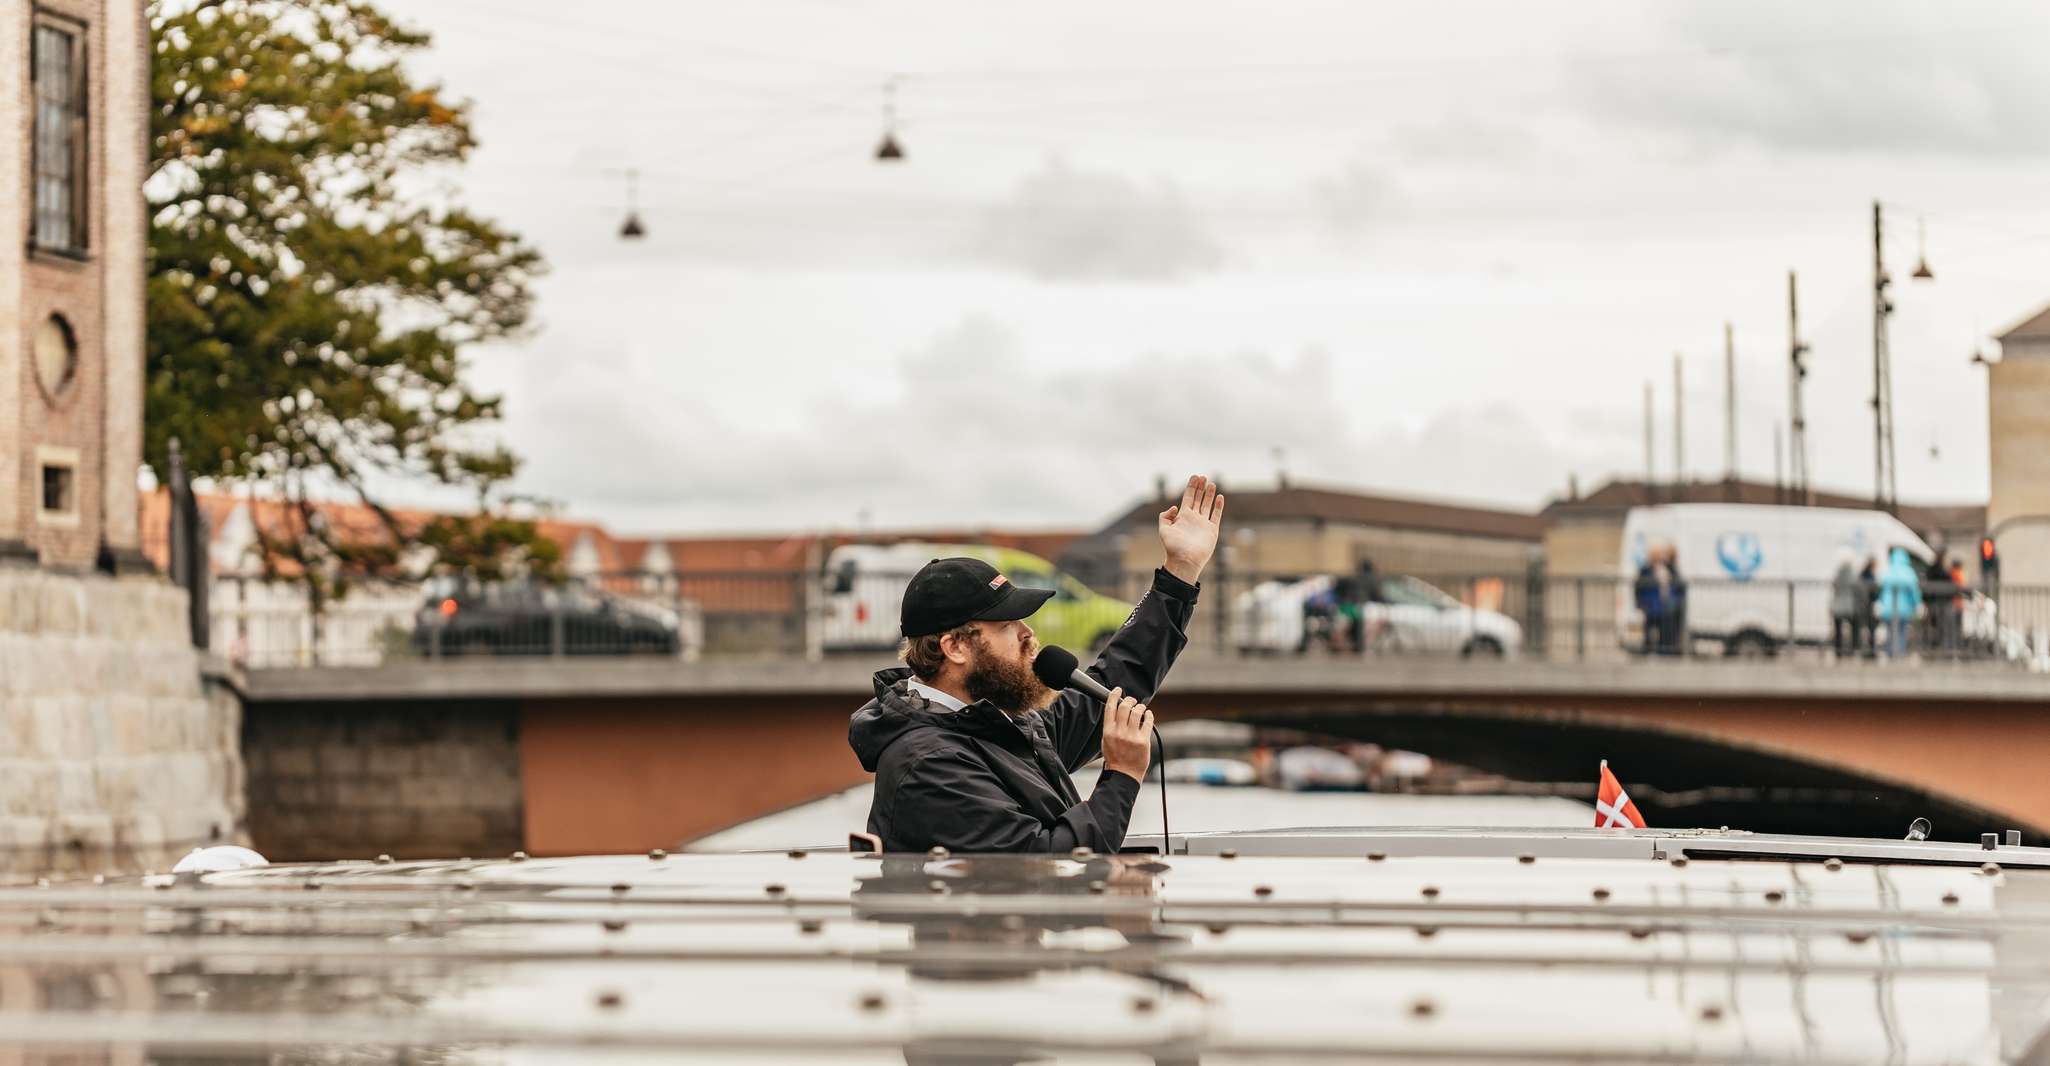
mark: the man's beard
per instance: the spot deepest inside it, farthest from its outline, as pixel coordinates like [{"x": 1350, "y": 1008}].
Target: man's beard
[{"x": 1009, "y": 685}]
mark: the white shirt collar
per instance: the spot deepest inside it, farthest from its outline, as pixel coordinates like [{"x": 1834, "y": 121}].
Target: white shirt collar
[{"x": 935, "y": 695}]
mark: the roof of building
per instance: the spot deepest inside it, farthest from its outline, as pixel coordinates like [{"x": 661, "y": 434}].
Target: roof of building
[
  {"x": 1621, "y": 495},
  {"x": 1301, "y": 502},
  {"x": 2035, "y": 327}
]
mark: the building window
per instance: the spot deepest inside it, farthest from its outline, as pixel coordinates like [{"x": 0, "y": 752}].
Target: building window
[
  {"x": 58, "y": 502},
  {"x": 56, "y": 352},
  {"x": 58, "y": 494},
  {"x": 57, "y": 66}
]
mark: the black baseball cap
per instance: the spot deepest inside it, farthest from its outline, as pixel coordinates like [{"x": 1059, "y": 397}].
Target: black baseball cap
[{"x": 954, "y": 592}]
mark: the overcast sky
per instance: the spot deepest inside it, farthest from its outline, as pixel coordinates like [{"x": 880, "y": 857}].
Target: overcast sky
[{"x": 1422, "y": 249}]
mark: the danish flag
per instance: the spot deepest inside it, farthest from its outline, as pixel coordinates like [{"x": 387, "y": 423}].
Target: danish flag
[{"x": 1612, "y": 806}]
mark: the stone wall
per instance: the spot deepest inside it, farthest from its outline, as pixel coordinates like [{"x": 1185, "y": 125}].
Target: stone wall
[
  {"x": 428, "y": 780},
  {"x": 116, "y": 753}
]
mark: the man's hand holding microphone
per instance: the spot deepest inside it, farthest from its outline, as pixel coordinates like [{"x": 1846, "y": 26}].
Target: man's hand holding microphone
[{"x": 1127, "y": 735}]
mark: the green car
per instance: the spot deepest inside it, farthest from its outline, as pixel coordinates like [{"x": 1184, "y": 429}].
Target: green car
[{"x": 1077, "y": 618}]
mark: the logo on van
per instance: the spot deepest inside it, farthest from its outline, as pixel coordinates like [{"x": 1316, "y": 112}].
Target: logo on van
[{"x": 1740, "y": 554}]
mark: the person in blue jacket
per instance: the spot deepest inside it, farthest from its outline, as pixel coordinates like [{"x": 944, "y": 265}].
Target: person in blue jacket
[{"x": 1900, "y": 598}]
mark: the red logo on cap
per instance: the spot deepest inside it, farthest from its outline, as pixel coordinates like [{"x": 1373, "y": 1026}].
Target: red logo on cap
[{"x": 999, "y": 581}]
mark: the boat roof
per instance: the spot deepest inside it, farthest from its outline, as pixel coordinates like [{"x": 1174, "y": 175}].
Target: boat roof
[{"x": 1304, "y": 946}]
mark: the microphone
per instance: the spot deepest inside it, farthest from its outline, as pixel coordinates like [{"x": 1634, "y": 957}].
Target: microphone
[{"x": 1057, "y": 668}]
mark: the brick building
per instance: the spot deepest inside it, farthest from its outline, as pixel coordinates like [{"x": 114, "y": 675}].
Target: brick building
[{"x": 74, "y": 100}]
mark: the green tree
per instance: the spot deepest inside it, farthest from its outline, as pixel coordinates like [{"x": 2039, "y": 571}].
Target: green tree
[{"x": 313, "y": 291}]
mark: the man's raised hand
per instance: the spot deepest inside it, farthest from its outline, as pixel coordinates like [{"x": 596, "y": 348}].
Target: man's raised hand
[{"x": 1188, "y": 530}]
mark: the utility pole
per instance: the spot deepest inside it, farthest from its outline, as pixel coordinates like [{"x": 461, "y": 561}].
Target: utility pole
[
  {"x": 1650, "y": 468},
  {"x": 1729, "y": 405},
  {"x": 1797, "y": 379},
  {"x": 1885, "y": 485},
  {"x": 1679, "y": 426},
  {"x": 1779, "y": 476}
]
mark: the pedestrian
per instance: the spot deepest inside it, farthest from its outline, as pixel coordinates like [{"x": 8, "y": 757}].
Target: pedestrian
[
  {"x": 972, "y": 753},
  {"x": 1958, "y": 602},
  {"x": 1676, "y": 604},
  {"x": 1937, "y": 592},
  {"x": 1651, "y": 598},
  {"x": 1355, "y": 591},
  {"x": 1868, "y": 615},
  {"x": 1900, "y": 600},
  {"x": 1846, "y": 605}
]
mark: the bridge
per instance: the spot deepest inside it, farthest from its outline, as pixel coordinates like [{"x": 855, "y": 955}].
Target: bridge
[{"x": 562, "y": 756}]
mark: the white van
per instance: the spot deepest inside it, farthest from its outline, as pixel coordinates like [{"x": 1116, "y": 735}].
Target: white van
[
  {"x": 864, "y": 594},
  {"x": 1759, "y": 576}
]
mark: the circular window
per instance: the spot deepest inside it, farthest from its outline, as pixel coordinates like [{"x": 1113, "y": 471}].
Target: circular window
[{"x": 56, "y": 355}]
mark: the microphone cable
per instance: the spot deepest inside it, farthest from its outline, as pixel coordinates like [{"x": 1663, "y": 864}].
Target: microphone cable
[{"x": 1160, "y": 746}]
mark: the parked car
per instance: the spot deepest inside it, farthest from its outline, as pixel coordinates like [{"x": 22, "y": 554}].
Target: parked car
[
  {"x": 864, "y": 595},
  {"x": 1405, "y": 615},
  {"x": 522, "y": 617},
  {"x": 1758, "y": 575}
]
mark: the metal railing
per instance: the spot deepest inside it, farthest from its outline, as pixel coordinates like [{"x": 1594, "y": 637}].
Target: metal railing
[{"x": 1470, "y": 616}]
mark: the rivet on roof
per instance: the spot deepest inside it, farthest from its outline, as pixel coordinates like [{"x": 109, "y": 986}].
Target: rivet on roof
[
  {"x": 1430, "y": 891},
  {"x": 1526, "y": 859},
  {"x": 1376, "y": 856},
  {"x": 1679, "y": 861},
  {"x": 1217, "y": 928},
  {"x": 1712, "y": 1013},
  {"x": 658, "y": 855},
  {"x": 773, "y": 889},
  {"x": 796, "y": 853},
  {"x": 1098, "y": 887},
  {"x": 1832, "y": 864},
  {"x": 1263, "y": 891},
  {"x": 1143, "y": 1004},
  {"x": 621, "y": 889},
  {"x": 1774, "y": 895},
  {"x": 614, "y": 925},
  {"x": 1990, "y": 869},
  {"x": 1228, "y": 853},
  {"x": 1950, "y": 899},
  {"x": 383, "y": 860},
  {"x": 937, "y": 853},
  {"x": 519, "y": 856},
  {"x": 873, "y": 1001},
  {"x": 1858, "y": 936},
  {"x": 810, "y": 925},
  {"x": 1427, "y": 931},
  {"x": 936, "y": 887},
  {"x": 1082, "y": 853},
  {"x": 610, "y": 999},
  {"x": 1423, "y": 1008},
  {"x": 1601, "y": 894}
]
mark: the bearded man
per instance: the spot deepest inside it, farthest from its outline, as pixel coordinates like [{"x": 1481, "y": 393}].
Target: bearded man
[{"x": 972, "y": 753}]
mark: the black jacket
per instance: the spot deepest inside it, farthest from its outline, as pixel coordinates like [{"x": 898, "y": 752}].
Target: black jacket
[{"x": 979, "y": 780}]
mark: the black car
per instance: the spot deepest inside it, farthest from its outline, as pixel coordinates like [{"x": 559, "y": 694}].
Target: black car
[{"x": 523, "y": 617}]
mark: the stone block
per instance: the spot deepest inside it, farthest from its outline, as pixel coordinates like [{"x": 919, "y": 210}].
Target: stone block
[
  {"x": 448, "y": 831},
  {"x": 29, "y": 786},
  {"x": 78, "y": 831},
  {"x": 388, "y": 829},
  {"x": 294, "y": 762},
  {"x": 23, "y": 833},
  {"x": 61, "y": 611},
  {"x": 432, "y": 793}
]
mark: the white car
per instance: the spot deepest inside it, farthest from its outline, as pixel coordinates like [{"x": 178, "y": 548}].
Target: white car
[{"x": 1408, "y": 616}]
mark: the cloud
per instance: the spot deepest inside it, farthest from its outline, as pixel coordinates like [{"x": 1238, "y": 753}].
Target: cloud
[
  {"x": 1353, "y": 197},
  {"x": 971, "y": 434},
  {"x": 1064, "y": 224},
  {"x": 1883, "y": 78}
]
